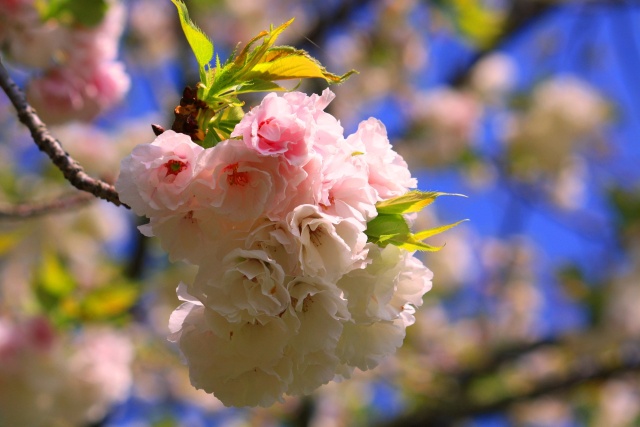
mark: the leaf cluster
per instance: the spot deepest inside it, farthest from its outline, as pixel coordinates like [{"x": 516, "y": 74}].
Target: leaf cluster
[
  {"x": 255, "y": 68},
  {"x": 391, "y": 227}
]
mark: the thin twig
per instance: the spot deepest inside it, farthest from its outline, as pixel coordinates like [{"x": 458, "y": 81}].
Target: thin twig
[
  {"x": 324, "y": 22},
  {"x": 502, "y": 356},
  {"x": 71, "y": 169},
  {"x": 586, "y": 370},
  {"x": 35, "y": 209}
]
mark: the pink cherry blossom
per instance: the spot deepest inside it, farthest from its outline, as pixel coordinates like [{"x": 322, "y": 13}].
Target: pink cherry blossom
[
  {"x": 288, "y": 293},
  {"x": 346, "y": 191},
  {"x": 184, "y": 235},
  {"x": 77, "y": 74},
  {"x": 293, "y": 126},
  {"x": 388, "y": 172},
  {"x": 325, "y": 130},
  {"x": 63, "y": 93},
  {"x": 239, "y": 183},
  {"x": 155, "y": 178},
  {"x": 364, "y": 345},
  {"x": 275, "y": 239},
  {"x": 273, "y": 128}
]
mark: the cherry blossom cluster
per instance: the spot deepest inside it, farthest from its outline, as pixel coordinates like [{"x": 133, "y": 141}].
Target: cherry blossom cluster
[
  {"x": 289, "y": 294},
  {"x": 48, "y": 378},
  {"x": 78, "y": 74}
]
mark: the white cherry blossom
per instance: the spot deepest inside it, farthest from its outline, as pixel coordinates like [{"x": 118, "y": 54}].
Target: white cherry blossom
[
  {"x": 247, "y": 286},
  {"x": 329, "y": 246}
]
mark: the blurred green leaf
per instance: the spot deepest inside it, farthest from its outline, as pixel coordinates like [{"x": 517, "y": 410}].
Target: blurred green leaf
[
  {"x": 8, "y": 240},
  {"x": 109, "y": 301},
  {"x": 74, "y": 12},
  {"x": 474, "y": 19},
  {"x": 52, "y": 276},
  {"x": 627, "y": 208}
]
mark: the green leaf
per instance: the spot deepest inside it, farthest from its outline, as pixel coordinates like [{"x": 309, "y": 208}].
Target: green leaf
[
  {"x": 414, "y": 242},
  {"x": 392, "y": 229},
  {"x": 255, "y": 68},
  {"x": 258, "y": 53},
  {"x": 385, "y": 226},
  {"x": 52, "y": 277},
  {"x": 232, "y": 115},
  {"x": 73, "y": 12},
  {"x": 475, "y": 20},
  {"x": 222, "y": 125},
  {"x": 437, "y": 230},
  {"x": 285, "y": 63},
  {"x": 413, "y": 201},
  {"x": 410, "y": 243},
  {"x": 109, "y": 301},
  {"x": 9, "y": 240},
  {"x": 211, "y": 138},
  {"x": 257, "y": 85},
  {"x": 200, "y": 44}
]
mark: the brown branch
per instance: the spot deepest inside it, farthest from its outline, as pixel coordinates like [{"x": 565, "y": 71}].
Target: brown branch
[
  {"x": 502, "y": 356},
  {"x": 71, "y": 169},
  {"x": 627, "y": 360},
  {"x": 35, "y": 209}
]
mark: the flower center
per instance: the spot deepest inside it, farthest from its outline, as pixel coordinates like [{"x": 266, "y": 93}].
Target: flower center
[
  {"x": 306, "y": 303},
  {"x": 174, "y": 167},
  {"x": 265, "y": 122},
  {"x": 315, "y": 236},
  {"x": 234, "y": 177},
  {"x": 269, "y": 132},
  {"x": 332, "y": 201}
]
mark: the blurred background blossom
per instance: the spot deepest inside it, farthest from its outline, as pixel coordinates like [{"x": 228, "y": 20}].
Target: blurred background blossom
[{"x": 530, "y": 108}]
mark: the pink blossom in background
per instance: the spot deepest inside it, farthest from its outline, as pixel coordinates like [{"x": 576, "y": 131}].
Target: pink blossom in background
[
  {"x": 49, "y": 377},
  {"x": 76, "y": 74},
  {"x": 37, "y": 45},
  {"x": 64, "y": 94},
  {"x": 98, "y": 44}
]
